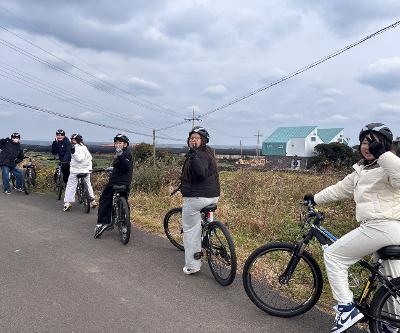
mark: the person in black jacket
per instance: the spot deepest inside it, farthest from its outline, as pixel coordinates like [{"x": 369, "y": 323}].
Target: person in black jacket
[
  {"x": 121, "y": 175},
  {"x": 200, "y": 188},
  {"x": 62, "y": 147},
  {"x": 10, "y": 155}
]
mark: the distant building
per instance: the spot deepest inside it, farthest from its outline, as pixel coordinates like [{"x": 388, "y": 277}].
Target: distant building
[{"x": 299, "y": 141}]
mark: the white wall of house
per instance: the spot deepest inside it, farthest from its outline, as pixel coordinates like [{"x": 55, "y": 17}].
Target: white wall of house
[
  {"x": 339, "y": 138},
  {"x": 303, "y": 147}
]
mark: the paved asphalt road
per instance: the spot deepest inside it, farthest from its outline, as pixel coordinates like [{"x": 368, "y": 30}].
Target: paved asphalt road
[{"x": 55, "y": 277}]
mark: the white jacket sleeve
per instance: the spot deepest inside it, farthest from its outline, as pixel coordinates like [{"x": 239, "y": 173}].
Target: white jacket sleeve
[
  {"x": 79, "y": 154},
  {"x": 342, "y": 190},
  {"x": 391, "y": 164}
]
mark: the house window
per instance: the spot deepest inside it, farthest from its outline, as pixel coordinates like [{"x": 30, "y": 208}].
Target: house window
[
  {"x": 340, "y": 140},
  {"x": 280, "y": 147},
  {"x": 313, "y": 138}
]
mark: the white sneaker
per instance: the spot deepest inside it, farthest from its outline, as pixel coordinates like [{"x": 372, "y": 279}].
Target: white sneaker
[
  {"x": 386, "y": 328},
  {"x": 346, "y": 316},
  {"x": 67, "y": 206},
  {"x": 188, "y": 270}
]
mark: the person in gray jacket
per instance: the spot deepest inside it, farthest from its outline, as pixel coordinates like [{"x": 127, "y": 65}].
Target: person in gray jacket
[{"x": 375, "y": 187}]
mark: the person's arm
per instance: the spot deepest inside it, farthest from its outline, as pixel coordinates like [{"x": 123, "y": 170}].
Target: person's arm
[
  {"x": 54, "y": 148},
  {"x": 391, "y": 164},
  {"x": 67, "y": 156},
  {"x": 20, "y": 157},
  {"x": 198, "y": 165},
  {"x": 342, "y": 190},
  {"x": 124, "y": 160}
]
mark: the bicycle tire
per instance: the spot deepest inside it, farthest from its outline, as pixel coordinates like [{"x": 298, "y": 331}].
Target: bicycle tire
[
  {"x": 124, "y": 221},
  {"x": 86, "y": 201},
  {"x": 13, "y": 180},
  {"x": 221, "y": 254},
  {"x": 173, "y": 227},
  {"x": 33, "y": 177},
  {"x": 379, "y": 308},
  {"x": 59, "y": 186},
  {"x": 27, "y": 182},
  {"x": 261, "y": 282}
]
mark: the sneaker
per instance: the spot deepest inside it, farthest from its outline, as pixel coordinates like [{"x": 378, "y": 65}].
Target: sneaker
[
  {"x": 19, "y": 189},
  {"x": 93, "y": 204},
  {"x": 188, "y": 270},
  {"x": 100, "y": 228},
  {"x": 7, "y": 192},
  {"x": 346, "y": 316},
  {"x": 386, "y": 328},
  {"x": 67, "y": 207}
]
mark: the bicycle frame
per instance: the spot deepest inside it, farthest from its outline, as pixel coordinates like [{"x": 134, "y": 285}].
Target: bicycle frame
[{"x": 314, "y": 219}]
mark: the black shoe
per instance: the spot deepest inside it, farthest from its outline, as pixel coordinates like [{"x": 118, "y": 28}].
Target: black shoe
[{"x": 100, "y": 228}]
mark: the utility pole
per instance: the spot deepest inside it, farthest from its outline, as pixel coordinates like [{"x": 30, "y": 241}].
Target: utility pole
[
  {"x": 258, "y": 142},
  {"x": 241, "y": 151},
  {"x": 193, "y": 119},
  {"x": 154, "y": 146}
]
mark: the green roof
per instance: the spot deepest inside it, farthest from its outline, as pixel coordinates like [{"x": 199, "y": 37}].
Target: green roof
[
  {"x": 284, "y": 134},
  {"x": 327, "y": 134}
]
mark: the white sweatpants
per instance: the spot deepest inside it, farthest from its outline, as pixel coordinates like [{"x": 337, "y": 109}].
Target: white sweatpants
[
  {"x": 368, "y": 238},
  {"x": 71, "y": 187},
  {"x": 191, "y": 225}
]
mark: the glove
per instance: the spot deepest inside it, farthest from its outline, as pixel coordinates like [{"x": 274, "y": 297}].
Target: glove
[
  {"x": 73, "y": 150},
  {"x": 376, "y": 148},
  {"x": 118, "y": 151},
  {"x": 309, "y": 199}
]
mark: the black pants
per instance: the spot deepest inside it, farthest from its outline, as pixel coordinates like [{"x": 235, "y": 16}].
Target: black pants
[
  {"x": 65, "y": 172},
  {"x": 105, "y": 205}
]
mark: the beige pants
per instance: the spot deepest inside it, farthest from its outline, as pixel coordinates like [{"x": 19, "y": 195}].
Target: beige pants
[{"x": 368, "y": 238}]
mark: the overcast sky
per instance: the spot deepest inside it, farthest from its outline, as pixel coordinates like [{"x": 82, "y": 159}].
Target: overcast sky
[{"x": 139, "y": 65}]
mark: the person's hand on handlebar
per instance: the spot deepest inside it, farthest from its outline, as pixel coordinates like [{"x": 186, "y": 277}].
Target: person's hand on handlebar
[{"x": 309, "y": 199}]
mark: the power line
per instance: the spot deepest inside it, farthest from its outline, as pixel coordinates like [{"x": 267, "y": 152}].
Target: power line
[
  {"x": 82, "y": 70},
  {"x": 289, "y": 76},
  {"x": 62, "y": 115}
]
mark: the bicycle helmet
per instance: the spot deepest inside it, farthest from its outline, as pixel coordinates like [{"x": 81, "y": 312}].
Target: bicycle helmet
[
  {"x": 15, "y": 135},
  {"x": 121, "y": 138},
  {"x": 377, "y": 128},
  {"x": 60, "y": 132},
  {"x": 77, "y": 137},
  {"x": 202, "y": 131}
]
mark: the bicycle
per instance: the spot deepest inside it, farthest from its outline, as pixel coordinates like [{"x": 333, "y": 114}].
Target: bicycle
[
  {"x": 120, "y": 212},
  {"x": 13, "y": 180},
  {"x": 59, "y": 184},
  {"x": 82, "y": 193},
  {"x": 284, "y": 280},
  {"x": 216, "y": 242},
  {"x": 30, "y": 174}
]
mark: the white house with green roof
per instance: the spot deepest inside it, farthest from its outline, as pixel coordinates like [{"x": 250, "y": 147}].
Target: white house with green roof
[{"x": 299, "y": 141}]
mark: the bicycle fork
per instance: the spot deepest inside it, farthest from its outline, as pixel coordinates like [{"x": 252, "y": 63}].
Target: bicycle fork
[{"x": 294, "y": 260}]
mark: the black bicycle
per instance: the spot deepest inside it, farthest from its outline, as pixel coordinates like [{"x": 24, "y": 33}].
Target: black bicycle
[
  {"x": 216, "y": 242},
  {"x": 120, "y": 213},
  {"x": 82, "y": 193},
  {"x": 59, "y": 185},
  {"x": 30, "y": 174},
  {"x": 284, "y": 280}
]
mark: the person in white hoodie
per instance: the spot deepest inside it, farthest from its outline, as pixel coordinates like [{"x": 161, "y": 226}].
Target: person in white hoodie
[
  {"x": 375, "y": 187},
  {"x": 81, "y": 162}
]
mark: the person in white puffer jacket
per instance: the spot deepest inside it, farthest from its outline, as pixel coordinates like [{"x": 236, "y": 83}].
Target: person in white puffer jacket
[
  {"x": 81, "y": 162},
  {"x": 375, "y": 187}
]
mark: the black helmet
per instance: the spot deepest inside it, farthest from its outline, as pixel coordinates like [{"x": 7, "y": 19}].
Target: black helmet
[
  {"x": 60, "y": 132},
  {"x": 121, "y": 138},
  {"x": 15, "y": 135},
  {"x": 78, "y": 138},
  {"x": 378, "y": 128},
  {"x": 202, "y": 131}
]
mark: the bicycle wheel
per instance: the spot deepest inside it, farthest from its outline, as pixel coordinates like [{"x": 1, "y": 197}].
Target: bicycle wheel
[
  {"x": 262, "y": 280},
  {"x": 32, "y": 174},
  {"x": 173, "y": 227},
  {"x": 27, "y": 182},
  {"x": 13, "y": 180},
  {"x": 86, "y": 201},
  {"x": 59, "y": 186},
  {"x": 385, "y": 307},
  {"x": 123, "y": 221},
  {"x": 221, "y": 255}
]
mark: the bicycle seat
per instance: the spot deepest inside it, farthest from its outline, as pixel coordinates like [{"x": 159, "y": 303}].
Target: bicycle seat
[
  {"x": 117, "y": 188},
  {"x": 389, "y": 252},
  {"x": 209, "y": 208},
  {"x": 81, "y": 175}
]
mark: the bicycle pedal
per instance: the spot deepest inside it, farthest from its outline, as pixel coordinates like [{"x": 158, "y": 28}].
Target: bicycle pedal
[{"x": 198, "y": 255}]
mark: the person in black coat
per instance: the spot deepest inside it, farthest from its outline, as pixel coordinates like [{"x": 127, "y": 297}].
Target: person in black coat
[
  {"x": 62, "y": 147},
  {"x": 200, "y": 188},
  {"x": 121, "y": 175},
  {"x": 10, "y": 155}
]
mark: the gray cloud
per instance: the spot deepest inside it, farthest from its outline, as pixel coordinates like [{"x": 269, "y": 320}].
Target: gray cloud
[{"x": 383, "y": 75}]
